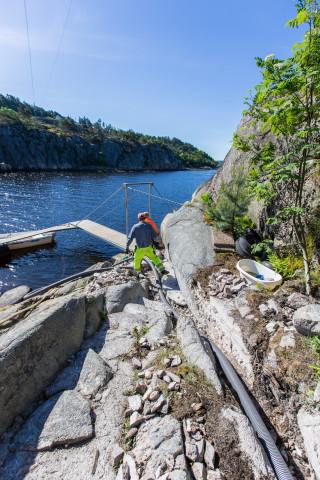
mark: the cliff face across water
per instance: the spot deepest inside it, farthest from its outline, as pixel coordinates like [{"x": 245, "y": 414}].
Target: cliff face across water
[{"x": 25, "y": 149}]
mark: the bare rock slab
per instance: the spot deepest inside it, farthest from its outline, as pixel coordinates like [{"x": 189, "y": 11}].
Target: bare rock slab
[
  {"x": 40, "y": 344},
  {"x": 94, "y": 375},
  {"x": 309, "y": 424},
  {"x": 14, "y": 295},
  {"x": 307, "y": 320},
  {"x": 63, "y": 419}
]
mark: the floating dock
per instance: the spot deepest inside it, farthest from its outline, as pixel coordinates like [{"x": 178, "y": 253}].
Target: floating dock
[{"x": 104, "y": 233}]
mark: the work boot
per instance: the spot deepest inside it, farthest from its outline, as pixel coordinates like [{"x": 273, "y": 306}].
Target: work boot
[{"x": 164, "y": 272}]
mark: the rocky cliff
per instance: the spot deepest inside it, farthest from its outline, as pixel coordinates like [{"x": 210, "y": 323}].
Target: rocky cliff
[{"x": 25, "y": 149}]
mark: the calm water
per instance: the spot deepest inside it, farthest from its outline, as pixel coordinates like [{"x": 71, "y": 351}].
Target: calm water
[{"x": 31, "y": 201}]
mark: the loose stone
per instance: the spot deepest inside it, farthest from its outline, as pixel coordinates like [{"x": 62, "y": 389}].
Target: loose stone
[
  {"x": 135, "y": 403},
  {"x": 196, "y": 406},
  {"x": 209, "y": 455},
  {"x": 141, "y": 388},
  {"x": 166, "y": 378},
  {"x": 174, "y": 377},
  {"x": 148, "y": 374},
  {"x": 131, "y": 433},
  {"x": 164, "y": 409},
  {"x": 167, "y": 362},
  {"x": 199, "y": 471},
  {"x": 136, "y": 363},
  {"x": 117, "y": 455},
  {"x": 136, "y": 419},
  {"x": 160, "y": 373},
  {"x": 154, "y": 395},
  {"x": 158, "y": 404},
  {"x": 176, "y": 361}
]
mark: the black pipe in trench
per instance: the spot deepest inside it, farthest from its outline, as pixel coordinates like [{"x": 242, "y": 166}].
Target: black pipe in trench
[{"x": 279, "y": 465}]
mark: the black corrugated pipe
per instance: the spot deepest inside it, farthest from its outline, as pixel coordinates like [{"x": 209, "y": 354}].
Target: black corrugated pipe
[{"x": 279, "y": 465}]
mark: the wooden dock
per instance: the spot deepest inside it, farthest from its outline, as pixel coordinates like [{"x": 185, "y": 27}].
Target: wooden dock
[{"x": 104, "y": 233}]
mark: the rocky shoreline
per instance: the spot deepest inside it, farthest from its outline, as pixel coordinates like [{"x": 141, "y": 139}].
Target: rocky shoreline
[{"x": 99, "y": 379}]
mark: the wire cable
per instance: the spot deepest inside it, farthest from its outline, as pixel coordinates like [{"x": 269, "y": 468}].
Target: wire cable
[
  {"x": 30, "y": 62},
  {"x": 57, "y": 54},
  {"x": 77, "y": 223},
  {"x": 155, "y": 196},
  {"x": 163, "y": 198},
  {"x": 116, "y": 208}
]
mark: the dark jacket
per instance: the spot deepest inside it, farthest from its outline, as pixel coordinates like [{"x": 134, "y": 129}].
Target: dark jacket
[{"x": 143, "y": 234}]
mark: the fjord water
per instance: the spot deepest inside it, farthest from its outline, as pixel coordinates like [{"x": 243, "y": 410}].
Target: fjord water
[{"x": 32, "y": 201}]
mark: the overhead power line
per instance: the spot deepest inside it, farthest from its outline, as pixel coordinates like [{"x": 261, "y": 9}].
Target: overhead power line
[
  {"x": 29, "y": 50},
  {"x": 57, "y": 53}
]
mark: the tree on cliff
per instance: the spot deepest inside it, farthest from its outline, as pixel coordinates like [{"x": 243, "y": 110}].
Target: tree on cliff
[{"x": 286, "y": 103}]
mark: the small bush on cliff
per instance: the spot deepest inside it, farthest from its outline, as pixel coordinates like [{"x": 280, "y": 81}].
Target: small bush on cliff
[
  {"x": 228, "y": 213},
  {"x": 286, "y": 104}
]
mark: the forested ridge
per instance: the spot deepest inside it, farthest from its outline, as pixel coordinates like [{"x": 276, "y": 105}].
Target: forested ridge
[{"x": 15, "y": 112}]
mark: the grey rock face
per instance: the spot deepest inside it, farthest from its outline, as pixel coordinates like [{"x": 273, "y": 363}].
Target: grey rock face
[
  {"x": 68, "y": 378},
  {"x": 309, "y": 424},
  {"x": 14, "y": 295},
  {"x": 189, "y": 244},
  {"x": 33, "y": 350},
  {"x": 118, "y": 296},
  {"x": 94, "y": 307},
  {"x": 192, "y": 348},
  {"x": 41, "y": 150},
  {"x": 63, "y": 419},
  {"x": 94, "y": 375},
  {"x": 307, "y": 320}
]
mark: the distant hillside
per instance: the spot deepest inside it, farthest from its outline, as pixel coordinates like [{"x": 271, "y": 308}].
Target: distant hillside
[{"x": 23, "y": 117}]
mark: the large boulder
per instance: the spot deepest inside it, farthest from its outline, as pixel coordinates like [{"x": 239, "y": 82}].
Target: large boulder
[
  {"x": 307, "y": 319},
  {"x": 33, "y": 351},
  {"x": 118, "y": 296},
  {"x": 189, "y": 243}
]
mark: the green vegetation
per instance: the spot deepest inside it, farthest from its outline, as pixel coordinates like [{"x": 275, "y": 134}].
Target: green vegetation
[
  {"x": 315, "y": 345},
  {"x": 286, "y": 104},
  {"x": 14, "y": 112},
  {"x": 228, "y": 213}
]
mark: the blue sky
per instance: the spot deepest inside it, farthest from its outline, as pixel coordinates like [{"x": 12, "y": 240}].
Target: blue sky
[{"x": 176, "y": 68}]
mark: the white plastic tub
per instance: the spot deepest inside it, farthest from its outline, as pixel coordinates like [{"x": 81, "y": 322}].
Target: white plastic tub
[{"x": 257, "y": 273}]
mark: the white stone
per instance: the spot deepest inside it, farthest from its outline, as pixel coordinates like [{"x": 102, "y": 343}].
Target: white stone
[
  {"x": 176, "y": 361},
  {"x": 209, "y": 455},
  {"x": 287, "y": 340},
  {"x": 136, "y": 363},
  {"x": 174, "y": 377},
  {"x": 271, "y": 326},
  {"x": 136, "y": 419},
  {"x": 199, "y": 471},
  {"x": 135, "y": 403}
]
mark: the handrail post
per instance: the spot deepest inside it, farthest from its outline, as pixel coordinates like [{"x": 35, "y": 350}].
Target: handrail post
[
  {"x": 150, "y": 187},
  {"x": 127, "y": 209}
]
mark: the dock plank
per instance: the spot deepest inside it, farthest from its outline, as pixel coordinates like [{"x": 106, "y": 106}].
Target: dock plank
[{"x": 105, "y": 233}]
